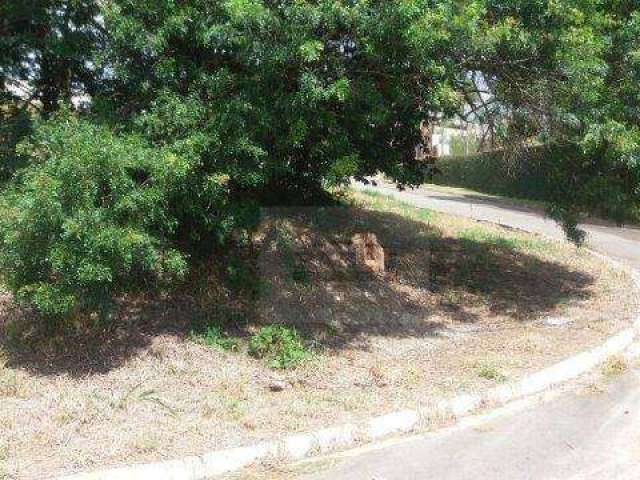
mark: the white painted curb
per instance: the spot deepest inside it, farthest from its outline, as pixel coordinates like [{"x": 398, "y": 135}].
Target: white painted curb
[
  {"x": 295, "y": 447},
  {"x": 299, "y": 446}
]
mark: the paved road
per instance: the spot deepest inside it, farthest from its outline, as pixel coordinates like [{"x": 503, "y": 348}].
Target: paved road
[
  {"x": 622, "y": 244},
  {"x": 586, "y": 435},
  {"x": 578, "y": 435}
]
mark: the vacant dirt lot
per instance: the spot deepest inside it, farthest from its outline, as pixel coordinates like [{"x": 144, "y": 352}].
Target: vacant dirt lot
[{"x": 461, "y": 306}]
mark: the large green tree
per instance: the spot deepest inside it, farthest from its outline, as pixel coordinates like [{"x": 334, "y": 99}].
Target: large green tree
[
  {"x": 564, "y": 73},
  {"x": 288, "y": 93},
  {"x": 254, "y": 102},
  {"x": 272, "y": 101}
]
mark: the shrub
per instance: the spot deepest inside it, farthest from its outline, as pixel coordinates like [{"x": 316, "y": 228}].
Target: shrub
[
  {"x": 87, "y": 219},
  {"x": 497, "y": 173},
  {"x": 280, "y": 345}
]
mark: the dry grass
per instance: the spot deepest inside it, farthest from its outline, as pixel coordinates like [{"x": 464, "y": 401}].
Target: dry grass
[
  {"x": 462, "y": 306},
  {"x": 614, "y": 366}
]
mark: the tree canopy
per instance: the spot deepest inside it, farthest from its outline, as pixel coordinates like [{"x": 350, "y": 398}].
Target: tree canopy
[{"x": 203, "y": 111}]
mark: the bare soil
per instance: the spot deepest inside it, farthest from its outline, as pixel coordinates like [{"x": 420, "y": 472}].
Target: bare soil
[{"x": 461, "y": 307}]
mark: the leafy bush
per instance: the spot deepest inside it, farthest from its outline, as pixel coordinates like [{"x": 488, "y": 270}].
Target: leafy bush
[
  {"x": 490, "y": 371},
  {"x": 244, "y": 103},
  {"x": 280, "y": 345},
  {"x": 282, "y": 98},
  {"x": 87, "y": 219},
  {"x": 500, "y": 174}
]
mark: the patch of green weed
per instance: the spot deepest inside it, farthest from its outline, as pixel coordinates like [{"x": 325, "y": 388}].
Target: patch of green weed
[
  {"x": 214, "y": 337},
  {"x": 490, "y": 371},
  {"x": 382, "y": 202},
  {"x": 478, "y": 235},
  {"x": 614, "y": 366},
  {"x": 281, "y": 346}
]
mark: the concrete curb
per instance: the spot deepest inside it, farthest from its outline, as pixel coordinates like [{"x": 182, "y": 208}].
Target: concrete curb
[
  {"x": 299, "y": 446},
  {"x": 296, "y": 447}
]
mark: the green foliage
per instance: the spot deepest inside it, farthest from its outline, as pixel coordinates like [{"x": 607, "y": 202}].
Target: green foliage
[
  {"x": 214, "y": 337},
  {"x": 573, "y": 183},
  {"x": 231, "y": 105},
  {"x": 15, "y": 124},
  {"x": 498, "y": 174},
  {"x": 480, "y": 238},
  {"x": 282, "y": 346},
  {"x": 566, "y": 73},
  {"x": 87, "y": 219},
  {"x": 348, "y": 83},
  {"x": 282, "y": 98},
  {"x": 490, "y": 371}
]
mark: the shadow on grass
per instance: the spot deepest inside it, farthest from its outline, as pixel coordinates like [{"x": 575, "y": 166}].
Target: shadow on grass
[{"x": 303, "y": 274}]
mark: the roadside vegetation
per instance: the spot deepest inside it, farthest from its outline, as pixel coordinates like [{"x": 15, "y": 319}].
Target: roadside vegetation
[
  {"x": 176, "y": 242},
  {"x": 462, "y": 306},
  {"x": 139, "y": 141},
  {"x": 540, "y": 174}
]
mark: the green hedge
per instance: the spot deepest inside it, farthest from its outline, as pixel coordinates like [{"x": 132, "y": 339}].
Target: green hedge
[
  {"x": 559, "y": 175},
  {"x": 526, "y": 175}
]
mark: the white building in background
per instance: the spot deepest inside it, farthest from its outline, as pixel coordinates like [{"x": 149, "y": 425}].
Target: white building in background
[
  {"x": 442, "y": 139},
  {"x": 466, "y": 135}
]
